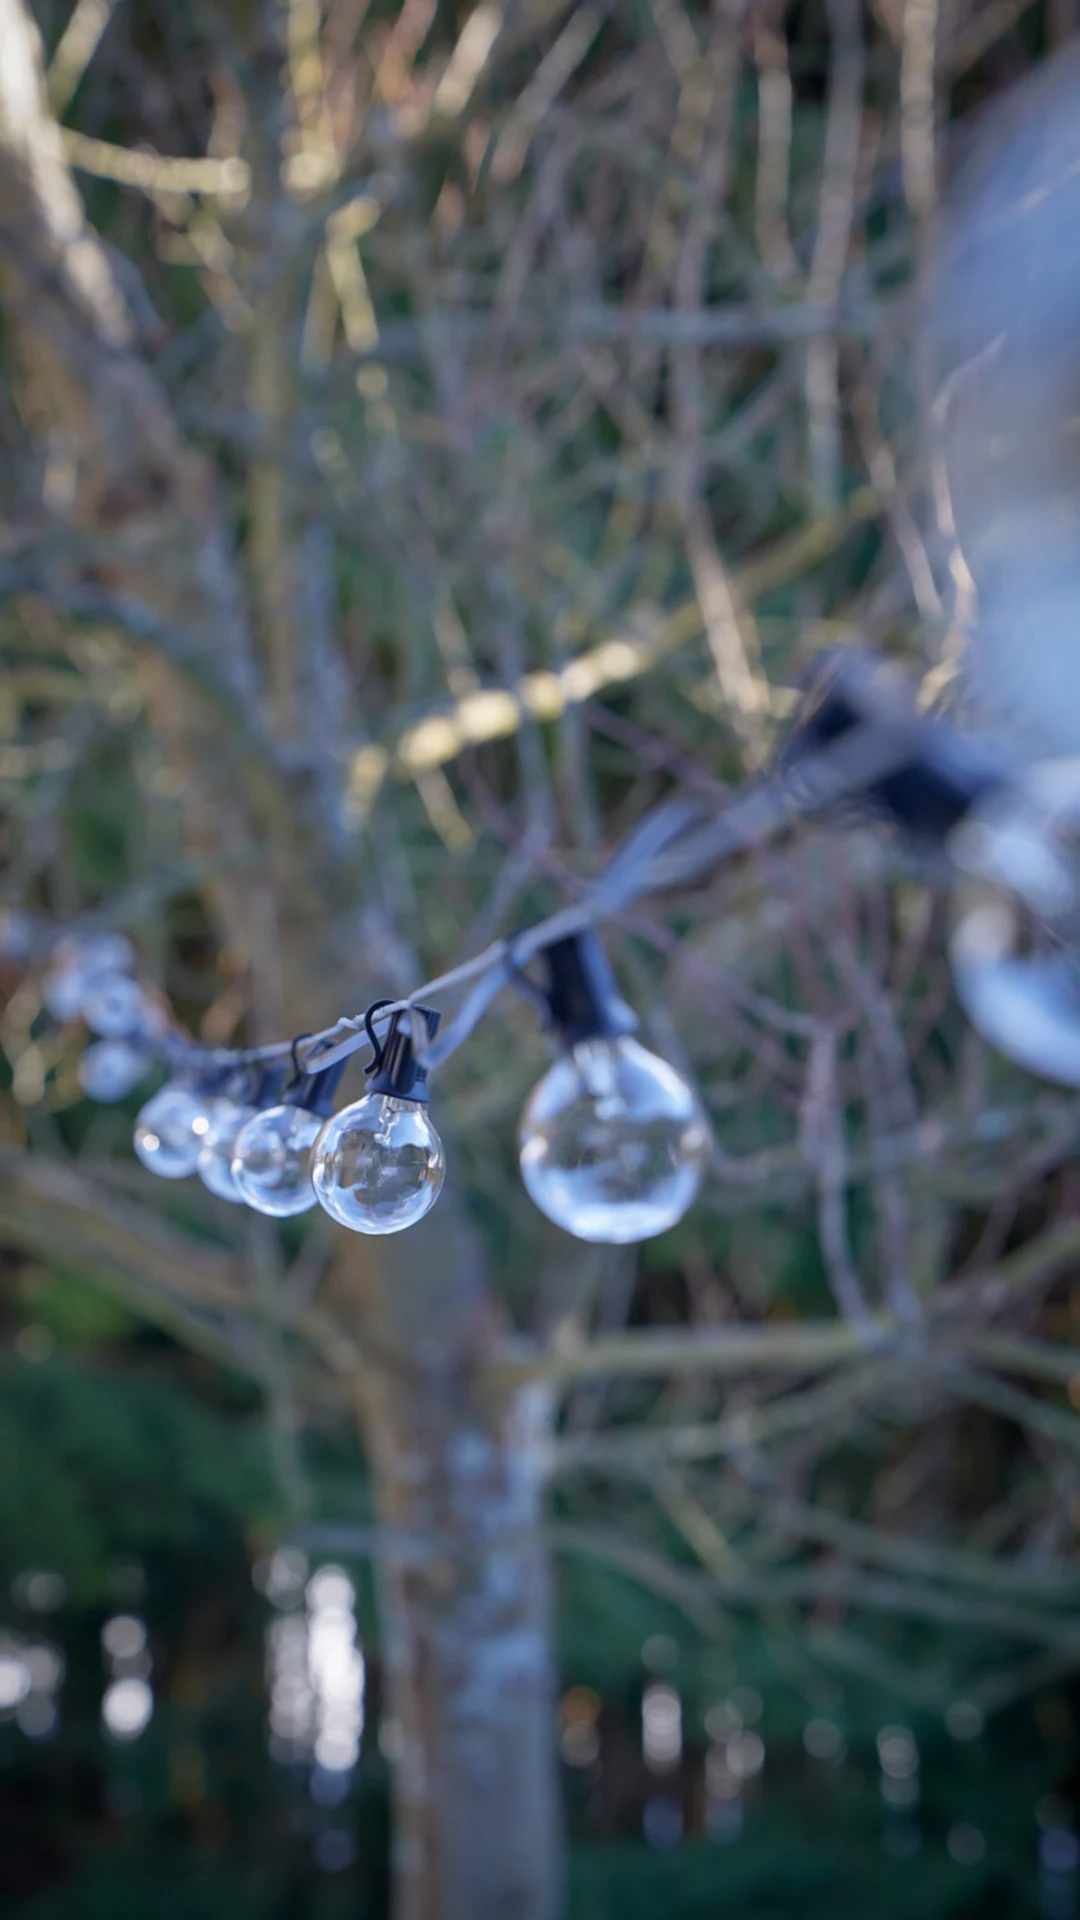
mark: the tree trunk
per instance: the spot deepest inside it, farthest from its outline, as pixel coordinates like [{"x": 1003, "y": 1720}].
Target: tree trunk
[
  {"x": 466, "y": 1635},
  {"x": 465, "y": 1597}
]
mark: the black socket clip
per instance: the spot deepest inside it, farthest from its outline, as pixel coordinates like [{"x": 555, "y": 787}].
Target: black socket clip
[
  {"x": 311, "y": 1088},
  {"x": 576, "y": 991},
  {"x": 395, "y": 1069},
  {"x": 940, "y": 772}
]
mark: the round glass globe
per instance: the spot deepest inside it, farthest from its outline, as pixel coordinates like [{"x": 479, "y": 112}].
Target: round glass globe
[
  {"x": 169, "y": 1132},
  {"x": 613, "y": 1143},
  {"x": 110, "y": 1069},
  {"x": 98, "y": 953},
  {"x": 81, "y": 964},
  {"x": 64, "y": 989},
  {"x": 271, "y": 1162},
  {"x": 378, "y": 1166},
  {"x": 214, "y": 1166},
  {"x": 113, "y": 1006}
]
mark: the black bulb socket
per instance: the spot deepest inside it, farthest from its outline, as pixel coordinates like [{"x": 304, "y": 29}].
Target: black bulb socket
[
  {"x": 315, "y": 1091},
  {"x": 578, "y": 986},
  {"x": 395, "y": 1069},
  {"x": 940, "y": 776}
]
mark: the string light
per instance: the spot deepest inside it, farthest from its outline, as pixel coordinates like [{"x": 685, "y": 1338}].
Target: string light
[
  {"x": 81, "y": 965},
  {"x": 378, "y": 1166},
  {"x": 170, "y": 1129},
  {"x": 114, "y": 1007},
  {"x": 110, "y": 1070},
  {"x": 271, "y": 1164},
  {"x": 613, "y": 1141},
  {"x": 242, "y": 1101}
]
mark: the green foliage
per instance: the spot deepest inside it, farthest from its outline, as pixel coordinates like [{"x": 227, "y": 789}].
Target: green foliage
[{"x": 100, "y": 1459}]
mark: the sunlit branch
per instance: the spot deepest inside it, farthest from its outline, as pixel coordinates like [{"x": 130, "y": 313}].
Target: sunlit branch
[{"x": 228, "y": 179}]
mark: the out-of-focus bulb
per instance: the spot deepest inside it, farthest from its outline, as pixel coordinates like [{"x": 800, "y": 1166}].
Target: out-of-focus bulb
[
  {"x": 214, "y": 1166},
  {"x": 271, "y": 1163},
  {"x": 613, "y": 1142},
  {"x": 113, "y": 1006},
  {"x": 110, "y": 1069},
  {"x": 378, "y": 1166},
  {"x": 170, "y": 1130},
  {"x": 81, "y": 965},
  {"x": 63, "y": 992},
  {"x": 98, "y": 952}
]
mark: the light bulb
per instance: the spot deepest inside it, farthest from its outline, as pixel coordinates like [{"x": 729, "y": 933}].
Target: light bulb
[
  {"x": 378, "y": 1166},
  {"x": 271, "y": 1164},
  {"x": 214, "y": 1166},
  {"x": 613, "y": 1142},
  {"x": 169, "y": 1131},
  {"x": 110, "y": 1069},
  {"x": 113, "y": 1006},
  {"x": 98, "y": 952},
  {"x": 64, "y": 990},
  {"x": 81, "y": 964}
]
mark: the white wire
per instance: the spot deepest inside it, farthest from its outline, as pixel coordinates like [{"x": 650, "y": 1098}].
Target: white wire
[{"x": 674, "y": 844}]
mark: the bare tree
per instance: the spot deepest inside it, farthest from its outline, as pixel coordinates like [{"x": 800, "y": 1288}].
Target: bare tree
[{"x": 523, "y": 367}]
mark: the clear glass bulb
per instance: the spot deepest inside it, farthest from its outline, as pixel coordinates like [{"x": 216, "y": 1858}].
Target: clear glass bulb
[
  {"x": 169, "y": 1132},
  {"x": 214, "y": 1166},
  {"x": 98, "y": 952},
  {"x": 271, "y": 1163},
  {"x": 81, "y": 964},
  {"x": 113, "y": 1006},
  {"x": 110, "y": 1069},
  {"x": 378, "y": 1166},
  {"x": 64, "y": 989},
  {"x": 613, "y": 1143}
]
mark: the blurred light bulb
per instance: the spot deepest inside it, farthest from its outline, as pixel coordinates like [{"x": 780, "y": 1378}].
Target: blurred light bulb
[
  {"x": 214, "y": 1166},
  {"x": 127, "y": 1708},
  {"x": 271, "y": 1165},
  {"x": 613, "y": 1142},
  {"x": 98, "y": 953},
  {"x": 378, "y": 1166},
  {"x": 81, "y": 965},
  {"x": 169, "y": 1132},
  {"x": 113, "y": 1006},
  {"x": 110, "y": 1069},
  {"x": 64, "y": 990}
]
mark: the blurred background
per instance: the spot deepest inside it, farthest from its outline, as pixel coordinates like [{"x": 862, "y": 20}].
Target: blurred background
[{"x": 431, "y": 435}]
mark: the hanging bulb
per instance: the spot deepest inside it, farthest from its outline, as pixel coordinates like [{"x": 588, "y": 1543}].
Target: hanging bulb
[
  {"x": 170, "y": 1129},
  {"x": 214, "y": 1165},
  {"x": 378, "y": 1165},
  {"x": 613, "y": 1141},
  {"x": 113, "y": 1006},
  {"x": 271, "y": 1164},
  {"x": 81, "y": 964},
  {"x": 63, "y": 991},
  {"x": 249, "y": 1091},
  {"x": 110, "y": 1069},
  {"x": 100, "y": 952}
]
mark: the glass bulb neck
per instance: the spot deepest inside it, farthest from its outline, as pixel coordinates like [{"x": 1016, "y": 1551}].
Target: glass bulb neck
[
  {"x": 316, "y": 1092},
  {"x": 395, "y": 1069},
  {"x": 582, "y": 1000}
]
